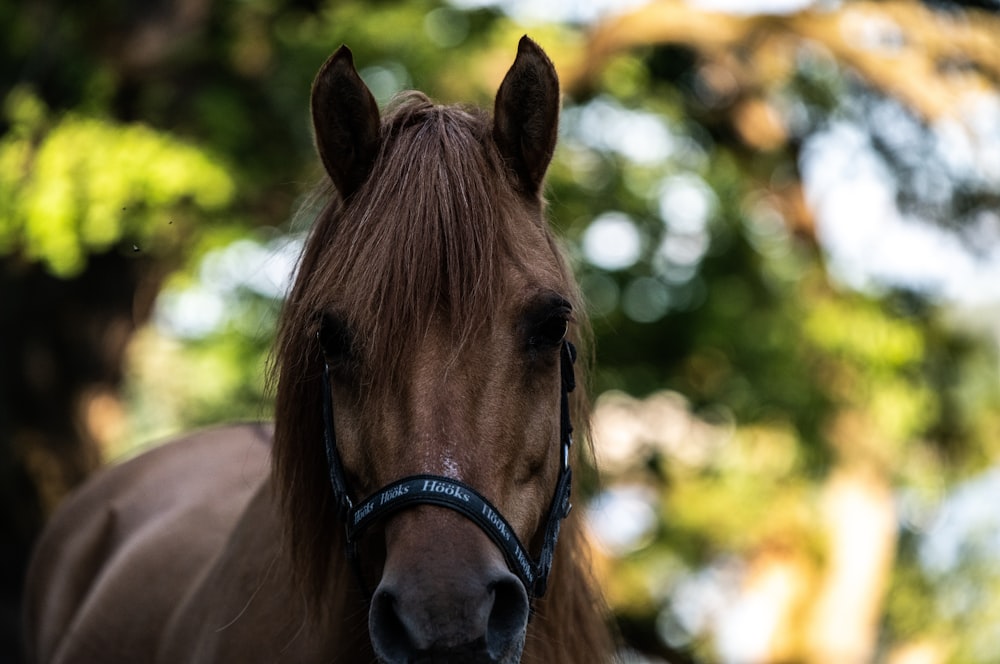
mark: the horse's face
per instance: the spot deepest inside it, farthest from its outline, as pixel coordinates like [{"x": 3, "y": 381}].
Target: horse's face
[
  {"x": 489, "y": 418},
  {"x": 475, "y": 401}
]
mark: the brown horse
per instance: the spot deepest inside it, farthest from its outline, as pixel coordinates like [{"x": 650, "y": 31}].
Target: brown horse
[{"x": 419, "y": 469}]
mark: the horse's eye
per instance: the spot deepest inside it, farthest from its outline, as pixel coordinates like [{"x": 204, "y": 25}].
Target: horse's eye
[
  {"x": 335, "y": 339},
  {"x": 551, "y": 331},
  {"x": 546, "y": 321}
]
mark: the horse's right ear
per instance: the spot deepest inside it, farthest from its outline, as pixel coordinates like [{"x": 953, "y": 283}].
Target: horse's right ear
[{"x": 346, "y": 122}]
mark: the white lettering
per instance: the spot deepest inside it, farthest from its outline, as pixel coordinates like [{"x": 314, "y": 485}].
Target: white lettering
[
  {"x": 494, "y": 518},
  {"x": 393, "y": 494},
  {"x": 435, "y": 486},
  {"x": 363, "y": 512},
  {"x": 525, "y": 565}
]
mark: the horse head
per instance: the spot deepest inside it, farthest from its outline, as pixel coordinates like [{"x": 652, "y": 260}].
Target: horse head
[{"x": 426, "y": 340}]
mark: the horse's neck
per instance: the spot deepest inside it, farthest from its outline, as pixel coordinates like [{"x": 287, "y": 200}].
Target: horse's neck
[{"x": 249, "y": 608}]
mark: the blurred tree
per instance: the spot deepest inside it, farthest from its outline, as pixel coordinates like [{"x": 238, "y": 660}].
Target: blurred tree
[{"x": 858, "y": 379}]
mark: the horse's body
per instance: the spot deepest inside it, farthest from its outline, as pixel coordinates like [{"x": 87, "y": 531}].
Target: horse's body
[
  {"x": 435, "y": 297},
  {"x": 175, "y": 556},
  {"x": 166, "y": 515}
]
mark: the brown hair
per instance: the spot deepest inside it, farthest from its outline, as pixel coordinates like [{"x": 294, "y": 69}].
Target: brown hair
[{"x": 425, "y": 235}]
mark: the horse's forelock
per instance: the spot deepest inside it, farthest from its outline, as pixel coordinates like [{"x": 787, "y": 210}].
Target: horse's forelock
[{"x": 424, "y": 237}]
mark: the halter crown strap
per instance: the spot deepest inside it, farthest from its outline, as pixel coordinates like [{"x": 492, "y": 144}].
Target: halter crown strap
[{"x": 458, "y": 496}]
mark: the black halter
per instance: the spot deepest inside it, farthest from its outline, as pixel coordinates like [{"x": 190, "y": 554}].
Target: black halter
[{"x": 458, "y": 496}]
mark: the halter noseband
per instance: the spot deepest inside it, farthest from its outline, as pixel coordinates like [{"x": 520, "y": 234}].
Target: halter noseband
[{"x": 458, "y": 496}]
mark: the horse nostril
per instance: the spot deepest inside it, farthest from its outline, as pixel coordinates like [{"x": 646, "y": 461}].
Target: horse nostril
[
  {"x": 508, "y": 618},
  {"x": 471, "y": 622},
  {"x": 389, "y": 635}
]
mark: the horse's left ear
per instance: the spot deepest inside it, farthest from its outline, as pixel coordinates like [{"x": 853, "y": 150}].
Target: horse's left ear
[
  {"x": 346, "y": 122},
  {"x": 526, "y": 115}
]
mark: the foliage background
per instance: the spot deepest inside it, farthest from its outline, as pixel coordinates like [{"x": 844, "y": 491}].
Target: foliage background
[{"x": 796, "y": 440}]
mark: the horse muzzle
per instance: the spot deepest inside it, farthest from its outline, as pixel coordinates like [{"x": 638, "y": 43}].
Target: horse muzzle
[{"x": 459, "y": 605}]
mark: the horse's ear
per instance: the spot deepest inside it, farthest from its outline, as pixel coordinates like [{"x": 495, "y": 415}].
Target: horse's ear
[
  {"x": 526, "y": 115},
  {"x": 346, "y": 121}
]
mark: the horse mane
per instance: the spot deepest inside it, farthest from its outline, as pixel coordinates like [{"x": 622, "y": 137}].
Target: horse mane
[
  {"x": 404, "y": 251},
  {"x": 423, "y": 239}
]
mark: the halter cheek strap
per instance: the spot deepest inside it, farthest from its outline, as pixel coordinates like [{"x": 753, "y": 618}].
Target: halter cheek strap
[{"x": 458, "y": 496}]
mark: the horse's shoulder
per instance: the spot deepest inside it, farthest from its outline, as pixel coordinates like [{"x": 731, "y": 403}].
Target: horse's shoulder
[
  {"x": 224, "y": 464},
  {"x": 139, "y": 534},
  {"x": 246, "y": 606}
]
